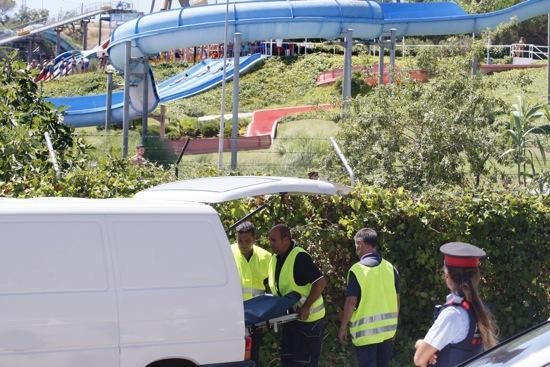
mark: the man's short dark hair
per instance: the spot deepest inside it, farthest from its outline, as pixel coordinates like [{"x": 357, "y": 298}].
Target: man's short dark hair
[
  {"x": 367, "y": 236},
  {"x": 246, "y": 227},
  {"x": 284, "y": 231}
]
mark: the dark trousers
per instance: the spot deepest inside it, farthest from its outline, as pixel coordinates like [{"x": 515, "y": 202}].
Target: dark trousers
[
  {"x": 301, "y": 343},
  {"x": 256, "y": 336},
  {"x": 375, "y": 355}
]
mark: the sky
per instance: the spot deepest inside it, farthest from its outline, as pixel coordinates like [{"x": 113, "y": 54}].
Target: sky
[{"x": 55, "y": 6}]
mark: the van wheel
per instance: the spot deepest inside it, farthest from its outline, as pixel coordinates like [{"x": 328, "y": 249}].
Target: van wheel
[{"x": 172, "y": 363}]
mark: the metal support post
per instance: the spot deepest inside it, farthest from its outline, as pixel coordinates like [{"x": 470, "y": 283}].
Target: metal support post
[
  {"x": 235, "y": 122},
  {"x": 224, "y": 75},
  {"x": 152, "y": 6},
  {"x": 162, "y": 131},
  {"x": 392, "y": 55},
  {"x": 58, "y": 31},
  {"x": 109, "y": 102},
  {"x": 99, "y": 35},
  {"x": 145, "y": 113},
  {"x": 488, "y": 61},
  {"x": 474, "y": 57},
  {"x": 29, "y": 51},
  {"x": 381, "y": 61},
  {"x": 84, "y": 25},
  {"x": 343, "y": 159},
  {"x": 126, "y": 103},
  {"x": 346, "y": 87}
]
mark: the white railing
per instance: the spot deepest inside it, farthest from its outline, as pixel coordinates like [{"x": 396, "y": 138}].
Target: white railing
[
  {"x": 89, "y": 8},
  {"x": 530, "y": 51}
]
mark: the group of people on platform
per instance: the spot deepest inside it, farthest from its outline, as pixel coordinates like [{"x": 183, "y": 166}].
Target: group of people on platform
[{"x": 462, "y": 328}]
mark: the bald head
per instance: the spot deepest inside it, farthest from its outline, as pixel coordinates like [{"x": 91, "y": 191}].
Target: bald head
[{"x": 280, "y": 238}]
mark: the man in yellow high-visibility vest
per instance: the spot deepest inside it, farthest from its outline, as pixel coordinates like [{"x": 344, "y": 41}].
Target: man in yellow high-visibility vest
[
  {"x": 372, "y": 303},
  {"x": 253, "y": 265},
  {"x": 292, "y": 270}
]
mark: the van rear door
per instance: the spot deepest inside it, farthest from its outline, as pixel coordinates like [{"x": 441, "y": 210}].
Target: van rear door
[{"x": 227, "y": 188}]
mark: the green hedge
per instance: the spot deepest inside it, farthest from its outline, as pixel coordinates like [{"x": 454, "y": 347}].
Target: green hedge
[{"x": 512, "y": 228}]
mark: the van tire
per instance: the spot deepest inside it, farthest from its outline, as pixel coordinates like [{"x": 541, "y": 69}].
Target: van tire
[{"x": 172, "y": 363}]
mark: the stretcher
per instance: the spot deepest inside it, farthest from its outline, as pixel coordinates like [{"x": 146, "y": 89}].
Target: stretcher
[{"x": 268, "y": 311}]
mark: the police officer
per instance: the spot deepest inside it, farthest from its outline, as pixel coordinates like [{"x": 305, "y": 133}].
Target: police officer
[
  {"x": 253, "y": 266},
  {"x": 372, "y": 303},
  {"x": 463, "y": 326},
  {"x": 292, "y": 270}
]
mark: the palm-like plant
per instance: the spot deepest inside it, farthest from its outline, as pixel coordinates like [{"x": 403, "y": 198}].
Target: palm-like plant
[{"x": 522, "y": 134}]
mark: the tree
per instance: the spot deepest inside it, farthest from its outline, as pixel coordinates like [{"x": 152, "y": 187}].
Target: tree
[
  {"x": 24, "y": 118},
  {"x": 5, "y": 7},
  {"x": 26, "y": 16},
  {"x": 423, "y": 135}
]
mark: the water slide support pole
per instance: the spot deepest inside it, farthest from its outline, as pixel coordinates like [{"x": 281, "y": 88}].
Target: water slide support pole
[
  {"x": 488, "y": 58},
  {"x": 84, "y": 25},
  {"x": 58, "y": 31},
  {"x": 235, "y": 122},
  {"x": 29, "y": 50},
  {"x": 392, "y": 54},
  {"x": 222, "y": 108},
  {"x": 100, "y": 23},
  {"x": 126, "y": 110},
  {"x": 474, "y": 57},
  {"x": 145, "y": 113},
  {"x": 346, "y": 87},
  {"x": 108, "y": 104},
  {"x": 381, "y": 61}
]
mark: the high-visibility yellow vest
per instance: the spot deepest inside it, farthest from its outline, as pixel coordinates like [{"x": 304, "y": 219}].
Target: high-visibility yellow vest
[
  {"x": 253, "y": 271},
  {"x": 375, "y": 318},
  {"x": 287, "y": 284}
]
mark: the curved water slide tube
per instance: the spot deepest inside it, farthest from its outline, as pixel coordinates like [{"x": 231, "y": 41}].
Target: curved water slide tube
[
  {"x": 85, "y": 111},
  {"x": 325, "y": 19}
]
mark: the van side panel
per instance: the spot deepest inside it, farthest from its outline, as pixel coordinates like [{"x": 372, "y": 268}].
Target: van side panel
[
  {"x": 179, "y": 294},
  {"x": 57, "y": 301}
]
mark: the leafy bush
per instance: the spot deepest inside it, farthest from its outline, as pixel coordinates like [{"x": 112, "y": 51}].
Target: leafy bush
[
  {"x": 209, "y": 129},
  {"x": 24, "y": 119},
  {"x": 512, "y": 228},
  {"x": 422, "y": 135}
]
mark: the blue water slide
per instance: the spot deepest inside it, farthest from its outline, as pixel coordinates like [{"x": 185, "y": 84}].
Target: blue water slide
[
  {"x": 324, "y": 19},
  {"x": 51, "y": 36},
  {"x": 85, "y": 111}
]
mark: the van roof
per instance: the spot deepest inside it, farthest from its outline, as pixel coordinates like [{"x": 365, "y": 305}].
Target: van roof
[
  {"x": 226, "y": 188},
  {"x": 62, "y": 205}
]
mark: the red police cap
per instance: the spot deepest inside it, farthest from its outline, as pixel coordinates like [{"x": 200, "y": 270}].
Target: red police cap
[{"x": 462, "y": 255}]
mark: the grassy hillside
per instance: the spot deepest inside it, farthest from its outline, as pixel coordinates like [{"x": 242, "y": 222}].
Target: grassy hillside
[
  {"x": 300, "y": 146},
  {"x": 283, "y": 82}
]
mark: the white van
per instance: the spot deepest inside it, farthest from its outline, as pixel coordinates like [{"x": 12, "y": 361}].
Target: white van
[{"x": 142, "y": 282}]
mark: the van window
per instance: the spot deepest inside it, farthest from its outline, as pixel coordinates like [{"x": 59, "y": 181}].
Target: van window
[
  {"x": 168, "y": 254},
  {"x": 39, "y": 257}
]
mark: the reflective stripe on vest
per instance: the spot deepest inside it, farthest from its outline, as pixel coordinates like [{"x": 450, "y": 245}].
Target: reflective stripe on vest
[
  {"x": 252, "y": 272},
  {"x": 369, "y": 319},
  {"x": 375, "y": 319},
  {"x": 375, "y": 331},
  {"x": 287, "y": 284}
]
